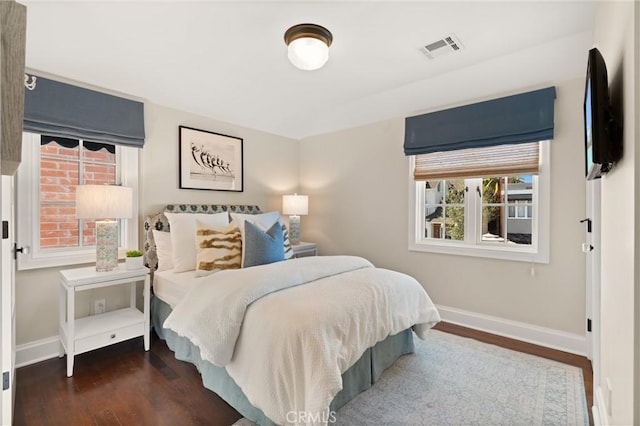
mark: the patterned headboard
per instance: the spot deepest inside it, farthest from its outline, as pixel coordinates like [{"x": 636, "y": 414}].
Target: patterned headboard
[{"x": 159, "y": 222}]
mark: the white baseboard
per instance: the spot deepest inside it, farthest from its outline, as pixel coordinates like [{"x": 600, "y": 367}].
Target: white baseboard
[
  {"x": 599, "y": 409},
  {"x": 550, "y": 338},
  {"x": 40, "y": 350}
]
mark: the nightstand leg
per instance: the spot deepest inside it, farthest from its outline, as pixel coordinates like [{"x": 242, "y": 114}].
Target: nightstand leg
[
  {"x": 61, "y": 318},
  {"x": 132, "y": 295},
  {"x": 71, "y": 308},
  {"x": 146, "y": 294}
]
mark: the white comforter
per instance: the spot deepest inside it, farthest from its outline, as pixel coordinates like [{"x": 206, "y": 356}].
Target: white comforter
[{"x": 288, "y": 349}]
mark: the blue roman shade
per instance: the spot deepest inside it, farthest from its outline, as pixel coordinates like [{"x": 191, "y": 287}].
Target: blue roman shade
[
  {"x": 527, "y": 117},
  {"x": 63, "y": 110}
]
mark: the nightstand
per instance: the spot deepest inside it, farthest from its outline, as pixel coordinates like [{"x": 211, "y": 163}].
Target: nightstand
[
  {"x": 304, "y": 249},
  {"x": 86, "y": 334}
]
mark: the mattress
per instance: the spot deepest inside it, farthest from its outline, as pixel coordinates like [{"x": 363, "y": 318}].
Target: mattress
[{"x": 171, "y": 287}]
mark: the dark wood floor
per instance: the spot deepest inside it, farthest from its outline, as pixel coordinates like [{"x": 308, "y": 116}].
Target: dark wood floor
[
  {"x": 123, "y": 385},
  {"x": 118, "y": 385}
]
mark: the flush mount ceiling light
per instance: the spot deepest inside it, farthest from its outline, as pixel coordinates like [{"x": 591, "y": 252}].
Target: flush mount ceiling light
[{"x": 308, "y": 45}]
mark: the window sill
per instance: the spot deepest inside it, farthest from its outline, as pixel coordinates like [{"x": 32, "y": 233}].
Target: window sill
[
  {"x": 28, "y": 261},
  {"x": 529, "y": 255}
]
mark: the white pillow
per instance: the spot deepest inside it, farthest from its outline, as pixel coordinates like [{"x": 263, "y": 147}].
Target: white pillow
[
  {"x": 264, "y": 220},
  {"x": 164, "y": 250},
  {"x": 183, "y": 236}
]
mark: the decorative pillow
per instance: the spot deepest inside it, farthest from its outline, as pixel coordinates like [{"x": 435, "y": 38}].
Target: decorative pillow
[
  {"x": 265, "y": 220},
  {"x": 217, "y": 249},
  {"x": 288, "y": 250},
  {"x": 164, "y": 250},
  {"x": 183, "y": 231},
  {"x": 260, "y": 247}
]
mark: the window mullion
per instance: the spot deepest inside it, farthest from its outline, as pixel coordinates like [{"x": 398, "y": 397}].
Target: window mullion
[
  {"x": 421, "y": 222},
  {"x": 471, "y": 208},
  {"x": 505, "y": 201},
  {"x": 535, "y": 207},
  {"x": 477, "y": 183},
  {"x": 122, "y": 224},
  {"x": 80, "y": 162},
  {"x": 80, "y": 182}
]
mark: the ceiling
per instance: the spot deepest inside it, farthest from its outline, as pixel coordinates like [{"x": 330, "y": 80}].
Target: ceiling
[{"x": 228, "y": 60}]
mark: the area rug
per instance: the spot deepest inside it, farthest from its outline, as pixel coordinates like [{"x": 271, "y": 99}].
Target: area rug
[{"x": 452, "y": 380}]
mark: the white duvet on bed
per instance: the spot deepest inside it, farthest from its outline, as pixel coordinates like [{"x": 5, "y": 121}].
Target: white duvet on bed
[{"x": 287, "y": 331}]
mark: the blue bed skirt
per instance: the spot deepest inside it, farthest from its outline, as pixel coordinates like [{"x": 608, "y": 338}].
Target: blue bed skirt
[{"x": 366, "y": 371}]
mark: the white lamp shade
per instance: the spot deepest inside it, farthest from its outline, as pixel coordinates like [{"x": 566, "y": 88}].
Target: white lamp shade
[
  {"x": 297, "y": 205},
  {"x": 308, "y": 53},
  {"x": 103, "y": 202}
]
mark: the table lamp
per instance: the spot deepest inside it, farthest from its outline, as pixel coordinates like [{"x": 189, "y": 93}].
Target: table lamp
[
  {"x": 105, "y": 204},
  {"x": 295, "y": 206}
]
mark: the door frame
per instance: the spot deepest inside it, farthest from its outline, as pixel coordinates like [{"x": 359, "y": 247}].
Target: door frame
[
  {"x": 7, "y": 302},
  {"x": 592, "y": 276}
]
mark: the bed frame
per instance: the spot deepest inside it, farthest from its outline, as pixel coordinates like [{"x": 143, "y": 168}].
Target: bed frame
[{"x": 361, "y": 376}]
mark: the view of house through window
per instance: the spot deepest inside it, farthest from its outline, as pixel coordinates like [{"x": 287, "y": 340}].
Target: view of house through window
[
  {"x": 64, "y": 164},
  {"x": 497, "y": 210},
  {"x": 501, "y": 195},
  {"x": 444, "y": 209}
]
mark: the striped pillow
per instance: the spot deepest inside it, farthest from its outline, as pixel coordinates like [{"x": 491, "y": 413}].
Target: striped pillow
[
  {"x": 288, "y": 250},
  {"x": 217, "y": 249}
]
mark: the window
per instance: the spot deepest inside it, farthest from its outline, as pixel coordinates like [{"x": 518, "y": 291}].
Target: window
[
  {"x": 501, "y": 214},
  {"x": 51, "y": 169},
  {"x": 521, "y": 210}
]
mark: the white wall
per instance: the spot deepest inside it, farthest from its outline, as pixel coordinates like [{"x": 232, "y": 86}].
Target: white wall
[
  {"x": 270, "y": 170},
  {"x": 270, "y": 163},
  {"x": 357, "y": 182},
  {"x": 616, "y": 38}
]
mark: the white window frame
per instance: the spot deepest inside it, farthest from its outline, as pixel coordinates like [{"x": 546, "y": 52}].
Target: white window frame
[
  {"x": 28, "y": 211},
  {"x": 537, "y": 252}
]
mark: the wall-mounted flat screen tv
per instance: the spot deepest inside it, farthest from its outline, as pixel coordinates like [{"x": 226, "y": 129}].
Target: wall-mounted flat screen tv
[{"x": 601, "y": 137}]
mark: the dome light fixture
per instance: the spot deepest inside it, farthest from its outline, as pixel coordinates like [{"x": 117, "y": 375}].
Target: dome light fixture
[{"x": 308, "y": 46}]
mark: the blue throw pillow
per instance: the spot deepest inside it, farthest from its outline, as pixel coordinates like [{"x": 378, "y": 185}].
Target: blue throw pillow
[{"x": 262, "y": 247}]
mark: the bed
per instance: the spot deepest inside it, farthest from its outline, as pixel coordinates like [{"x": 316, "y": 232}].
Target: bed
[{"x": 286, "y": 342}]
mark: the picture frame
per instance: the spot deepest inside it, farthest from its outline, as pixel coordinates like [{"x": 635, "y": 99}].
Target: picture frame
[{"x": 210, "y": 161}]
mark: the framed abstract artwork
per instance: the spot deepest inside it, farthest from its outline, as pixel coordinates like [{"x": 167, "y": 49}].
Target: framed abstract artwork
[{"x": 210, "y": 160}]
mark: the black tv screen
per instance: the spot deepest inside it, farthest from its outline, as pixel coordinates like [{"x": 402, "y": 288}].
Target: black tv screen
[{"x": 602, "y": 147}]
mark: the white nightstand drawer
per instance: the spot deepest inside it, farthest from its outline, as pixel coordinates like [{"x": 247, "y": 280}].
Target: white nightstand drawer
[
  {"x": 101, "y": 340},
  {"x": 112, "y": 327}
]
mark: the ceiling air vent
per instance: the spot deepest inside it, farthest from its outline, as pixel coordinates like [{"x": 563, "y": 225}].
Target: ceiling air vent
[{"x": 441, "y": 47}]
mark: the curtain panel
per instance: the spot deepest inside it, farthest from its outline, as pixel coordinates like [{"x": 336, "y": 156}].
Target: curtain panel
[
  {"x": 522, "y": 118},
  {"x": 59, "y": 109}
]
